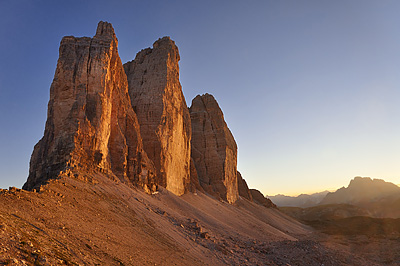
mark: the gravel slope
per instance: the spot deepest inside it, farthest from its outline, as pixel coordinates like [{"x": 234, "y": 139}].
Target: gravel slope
[{"x": 102, "y": 222}]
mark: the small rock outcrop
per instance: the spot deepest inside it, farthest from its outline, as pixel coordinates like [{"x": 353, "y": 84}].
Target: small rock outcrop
[
  {"x": 91, "y": 125},
  {"x": 157, "y": 98},
  {"x": 259, "y": 198},
  {"x": 214, "y": 149},
  {"x": 244, "y": 190}
]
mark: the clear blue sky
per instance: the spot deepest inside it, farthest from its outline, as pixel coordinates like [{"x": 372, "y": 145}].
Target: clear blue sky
[{"x": 309, "y": 89}]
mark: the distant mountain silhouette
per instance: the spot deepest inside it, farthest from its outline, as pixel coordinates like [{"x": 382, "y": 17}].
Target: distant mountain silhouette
[
  {"x": 303, "y": 200},
  {"x": 380, "y": 198},
  {"x": 362, "y": 189}
]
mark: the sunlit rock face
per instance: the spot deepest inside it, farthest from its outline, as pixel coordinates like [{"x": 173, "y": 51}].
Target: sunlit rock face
[
  {"x": 214, "y": 149},
  {"x": 164, "y": 119},
  {"x": 91, "y": 125},
  {"x": 244, "y": 190}
]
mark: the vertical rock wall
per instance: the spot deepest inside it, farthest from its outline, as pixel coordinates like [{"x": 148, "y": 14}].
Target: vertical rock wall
[
  {"x": 164, "y": 119},
  {"x": 90, "y": 123},
  {"x": 214, "y": 149}
]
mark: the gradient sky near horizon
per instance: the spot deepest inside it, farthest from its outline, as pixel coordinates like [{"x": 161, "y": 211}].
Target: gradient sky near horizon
[{"x": 309, "y": 89}]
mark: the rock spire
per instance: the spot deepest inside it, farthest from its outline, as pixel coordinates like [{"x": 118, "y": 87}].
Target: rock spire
[
  {"x": 214, "y": 149},
  {"x": 164, "y": 119},
  {"x": 91, "y": 125}
]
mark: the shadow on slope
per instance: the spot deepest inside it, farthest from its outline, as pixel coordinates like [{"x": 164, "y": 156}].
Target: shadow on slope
[
  {"x": 346, "y": 227},
  {"x": 359, "y": 225},
  {"x": 324, "y": 212}
]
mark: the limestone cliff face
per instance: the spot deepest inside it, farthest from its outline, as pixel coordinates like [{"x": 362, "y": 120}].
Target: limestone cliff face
[
  {"x": 243, "y": 189},
  {"x": 214, "y": 149},
  {"x": 132, "y": 123},
  {"x": 164, "y": 119},
  {"x": 91, "y": 125}
]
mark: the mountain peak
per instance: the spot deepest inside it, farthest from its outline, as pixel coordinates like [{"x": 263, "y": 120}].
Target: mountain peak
[
  {"x": 91, "y": 126},
  {"x": 214, "y": 149},
  {"x": 105, "y": 29},
  {"x": 164, "y": 41}
]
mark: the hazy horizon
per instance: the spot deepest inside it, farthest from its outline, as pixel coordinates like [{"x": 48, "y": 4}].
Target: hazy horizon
[{"x": 310, "y": 89}]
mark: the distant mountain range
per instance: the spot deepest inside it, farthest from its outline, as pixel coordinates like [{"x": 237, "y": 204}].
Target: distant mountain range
[
  {"x": 361, "y": 190},
  {"x": 380, "y": 198},
  {"x": 363, "y": 197},
  {"x": 365, "y": 216},
  {"x": 368, "y": 207},
  {"x": 303, "y": 200}
]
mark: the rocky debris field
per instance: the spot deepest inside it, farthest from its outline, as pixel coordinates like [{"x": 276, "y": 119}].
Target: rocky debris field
[{"x": 73, "y": 222}]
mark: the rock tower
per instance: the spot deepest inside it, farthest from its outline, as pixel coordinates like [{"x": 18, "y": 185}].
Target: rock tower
[
  {"x": 214, "y": 149},
  {"x": 91, "y": 125},
  {"x": 164, "y": 119}
]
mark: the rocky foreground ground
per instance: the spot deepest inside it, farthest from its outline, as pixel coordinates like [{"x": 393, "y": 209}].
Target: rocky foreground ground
[{"x": 103, "y": 222}]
